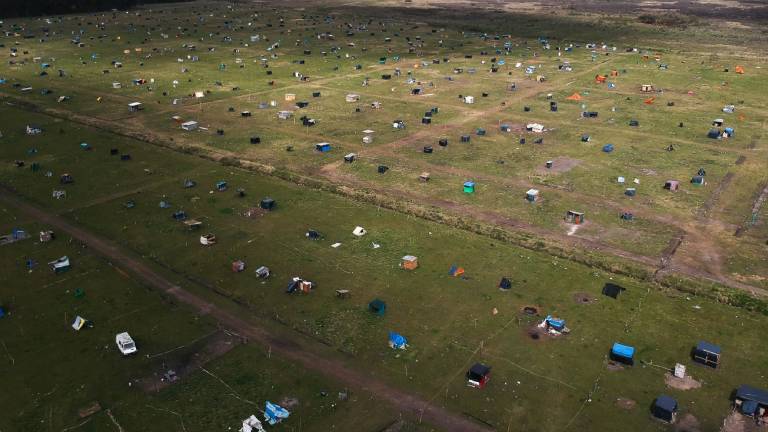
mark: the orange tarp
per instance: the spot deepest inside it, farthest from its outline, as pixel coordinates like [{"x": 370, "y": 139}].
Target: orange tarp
[
  {"x": 739, "y": 69},
  {"x": 600, "y": 78},
  {"x": 574, "y": 97},
  {"x": 649, "y": 101}
]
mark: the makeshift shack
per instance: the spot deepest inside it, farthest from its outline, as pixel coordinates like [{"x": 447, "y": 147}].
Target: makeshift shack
[
  {"x": 189, "y": 126},
  {"x": 409, "y": 262},
  {"x": 207, "y": 239},
  {"x": 268, "y": 203},
  {"x": 612, "y": 290},
  {"x": 60, "y": 265},
  {"x": 323, "y": 147},
  {"x": 751, "y": 401},
  {"x": 469, "y": 187},
  {"x": 671, "y": 185},
  {"x": 707, "y": 354},
  {"x": 532, "y": 195},
  {"x": 478, "y": 375},
  {"x": 623, "y": 354},
  {"x": 574, "y": 217},
  {"x": 664, "y": 409},
  {"x": 505, "y": 284},
  {"x": 135, "y": 107}
]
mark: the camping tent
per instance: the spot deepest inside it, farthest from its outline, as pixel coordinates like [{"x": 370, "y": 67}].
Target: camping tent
[
  {"x": 377, "y": 306},
  {"x": 574, "y": 97},
  {"x": 274, "y": 413},
  {"x": 664, "y": 408},
  {"x": 397, "y": 341}
]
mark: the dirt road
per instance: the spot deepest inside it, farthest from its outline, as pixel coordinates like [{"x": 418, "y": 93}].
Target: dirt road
[{"x": 311, "y": 355}]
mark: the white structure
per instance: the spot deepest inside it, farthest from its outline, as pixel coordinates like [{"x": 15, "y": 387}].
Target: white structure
[
  {"x": 189, "y": 126},
  {"x": 125, "y": 343},
  {"x": 284, "y": 115},
  {"x": 469, "y": 99},
  {"x": 359, "y": 231},
  {"x": 353, "y": 97},
  {"x": 535, "y": 127},
  {"x": 207, "y": 239},
  {"x": 135, "y": 106}
]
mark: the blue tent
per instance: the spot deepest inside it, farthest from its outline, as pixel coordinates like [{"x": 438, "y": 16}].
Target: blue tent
[
  {"x": 623, "y": 353},
  {"x": 274, "y": 413},
  {"x": 608, "y": 148},
  {"x": 2, "y": 80},
  {"x": 397, "y": 341},
  {"x": 2, "y": 312},
  {"x": 664, "y": 408},
  {"x": 323, "y": 147},
  {"x": 729, "y": 131}
]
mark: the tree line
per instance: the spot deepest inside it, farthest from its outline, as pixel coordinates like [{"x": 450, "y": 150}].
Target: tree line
[{"x": 32, "y": 8}]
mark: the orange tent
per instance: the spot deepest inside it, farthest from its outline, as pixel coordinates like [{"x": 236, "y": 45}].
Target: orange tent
[
  {"x": 649, "y": 101},
  {"x": 600, "y": 79},
  {"x": 574, "y": 97},
  {"x": 739, "y": 69},
  {"x": 614, "y": 73}
]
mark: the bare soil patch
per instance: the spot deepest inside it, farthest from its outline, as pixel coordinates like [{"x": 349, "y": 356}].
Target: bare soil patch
[
  {"x": 736, "y": 422},
  {"x": 686, "y": 383},
  {"x": 687, "y": 423},
  {"x": 584, "y": 298},
  {"x": 560, "y": 165},
  {"x": 625, "y": 403},
  {"x": 615, "y": 366}
]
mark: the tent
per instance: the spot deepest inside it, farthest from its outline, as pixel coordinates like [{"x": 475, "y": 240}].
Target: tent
[
  {"x": 574, "y": 97},
  {"x": 238, "y": 266},
  {"x": 623, "y": 353},
  {"x": 664, "y": 408},
  {"x": 505, "y": 284},
  {"x": 697, "y": 180},
  {"x": 478, "y": 375},
  {"x": 612, "y": 290},
  {"x": 252, "y": 423},
  {"x": 456, "y": 271},
  {"x": 707, "y": 354},
  {"x": 469, "y": 187},
  {"x": 397, "y": 341},
  {"x": 671, "y": 185},
  {"x": 359, "y": 231},
  {"x": 274, "y": 413},
  {"x": 377, "y": 306},
  {"x": 323, "y": 147},
  {"x": 739, "y": 70},
  {"x": 268, "y": 203},
  {"x": 79, "y": 323},
  {"x": 60, "y": 265},
  {"x": 532, "y": 195}
]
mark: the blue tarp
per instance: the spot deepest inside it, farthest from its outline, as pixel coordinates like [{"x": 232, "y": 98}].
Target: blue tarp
[
  {"x": 397, "y": 340},
  {"x": 748, "y": 393},
  {"x": 608, "y": 148},
  {"x": 323, "y": 147},
  {"x": 624, "y": 351},
  {"x": 274, "y": 413},
  {"x": 729, "y": 131},
  {"x": 707, "y": 347},
  {"x": 2, "y": 312},
  {"x": 469, "y": 184},
  {"x": 555, "y": 323}
]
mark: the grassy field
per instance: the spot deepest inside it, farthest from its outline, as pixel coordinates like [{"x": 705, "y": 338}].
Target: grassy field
[{"x": 540, "y": 383}]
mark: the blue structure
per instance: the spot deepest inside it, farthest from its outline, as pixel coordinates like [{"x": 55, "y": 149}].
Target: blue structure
[
  {"x": 623, "y": 353},
  {"x": 323, "y": 147},
  {"x": 2, "y": 312},
  {"x": 555, "y": 323},
  {"x": 221, "y": 186},
  {"x": 751, "y": 399},
  {"x": 397, "y": 341},
  {"x": 707, "y": 354},
  {"x": 713, "y": 133},
  {"x": 729, "y": 131},
  {"x": 377, "y": 306},
  {"x": 664, "y": 408},
  {"x": 608, "y": 148},
  {"x": 274, "y": 413},
  {"x": 469, "y": 187}
]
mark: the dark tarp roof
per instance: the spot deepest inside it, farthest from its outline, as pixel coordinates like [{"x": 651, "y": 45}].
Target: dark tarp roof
[
  {"x": 746, "y": 392},
  {"x": 707, "y": 347}
]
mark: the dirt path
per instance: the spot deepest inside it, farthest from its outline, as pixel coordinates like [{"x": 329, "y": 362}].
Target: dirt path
[{"x": 309, "y": 354}]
